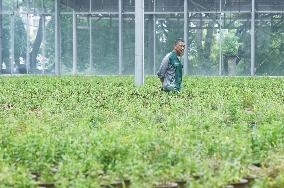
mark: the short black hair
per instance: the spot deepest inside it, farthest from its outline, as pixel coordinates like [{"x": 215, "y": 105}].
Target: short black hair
[{"x": 178, "y": 40}]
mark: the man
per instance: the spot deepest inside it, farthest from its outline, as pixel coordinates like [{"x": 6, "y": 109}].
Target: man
[{"x": 170, "y": 71}]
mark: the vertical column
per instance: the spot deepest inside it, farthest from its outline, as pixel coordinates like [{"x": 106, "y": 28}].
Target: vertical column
[
  {"x": 1, "y": 34},
  {"x": 139, "y": 42},
  {"x": 12, "y": 47},
  {"x": 220, "y": 38},
  {"x": 154, "y": 39},
  {"x": 185, "y": 36},
  {"x": 154, "y": 48},
  {"x": 28, "y": 43},
  {"x": 120, "y": 39},
  {"x": 57, "y": 37},
  {"x": 74, "y": 72},
  {"x": 252, "y": 66},
  {"x": 91, "y": 46}
]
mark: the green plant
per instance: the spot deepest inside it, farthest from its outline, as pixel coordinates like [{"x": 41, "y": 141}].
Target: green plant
[{"x": 230, "y": 43}]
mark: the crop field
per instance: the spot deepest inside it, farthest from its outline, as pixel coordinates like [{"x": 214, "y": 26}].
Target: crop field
[{"x": 102, "y": 131}]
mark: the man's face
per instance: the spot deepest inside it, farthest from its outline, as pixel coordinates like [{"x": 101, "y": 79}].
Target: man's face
[{"x": 179, "y": 48}]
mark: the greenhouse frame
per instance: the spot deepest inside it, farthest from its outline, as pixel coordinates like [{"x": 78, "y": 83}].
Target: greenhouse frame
[{"x": 98, "y": 36}]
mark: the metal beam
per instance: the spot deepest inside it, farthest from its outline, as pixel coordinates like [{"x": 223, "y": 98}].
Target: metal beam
[
  {"x": 1, "y": 33},
  {"x": 271, "y": 12},
  {"x": 220, "y": 42},
  {"x": 74, "y": 70},
  {"x": 154, "y": 48},
  {"x": 139, "y": 42},
  {"x": 185, "y": 36},
  {"x": 173, "y": 13},
  {"x": 120, "y": 39},
  {"x": 154, "y": 40},
  {"x": 252, "y": 67},
  {"x": 191, "y": 12},
  {"x": 146, "y": 13},
  {"x": 57, "y": 37},
  {"x": 169, "y": 18}
]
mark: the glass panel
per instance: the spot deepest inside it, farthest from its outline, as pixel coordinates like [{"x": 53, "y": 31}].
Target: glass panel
[
  {"x": 35, "y": 6},
  {"x": 269, "y": 44},
  {"x": 66, "y": 44},
  {"x": 105, "y": 44},
  {"x": 48, "y": 6},
  {"x": 149, "y": 45},
  {"x": 128, "y": 44},
  {"x": 203, "y": 44},
  {"x": 78, "y": 6},
  {"x": 128, "y": 5},
  {"x": 236, "y": 5},
  {"x": 269, "y": 5},
  {"x": 21, "y": 6},
  {"x": 105, "y": 5},
  {"x": 82, "y": 6},
  {"x": 67, "y": 5},
  {"x": 7, "y": 5},
  {"x": 35, "y": 40},
  {"x": 41, "y": 44},
  {"x": 236, "y": 44},
  {"x": 46, "y": 57},
  {"x": 169, "y": 5},
  {"x": 6, "y": 38},
  {"x": 149, "y": 5},
  {"x": 83, "y": 45},
  {"x": 20, "y": 44},
  {"x": 204, "y": 6}
]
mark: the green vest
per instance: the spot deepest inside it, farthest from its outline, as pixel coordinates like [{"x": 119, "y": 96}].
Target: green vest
[{"x": 175, "y": 62}]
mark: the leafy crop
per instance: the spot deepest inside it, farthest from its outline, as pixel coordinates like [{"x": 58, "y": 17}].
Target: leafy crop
[{"x": 88, "y": 131}]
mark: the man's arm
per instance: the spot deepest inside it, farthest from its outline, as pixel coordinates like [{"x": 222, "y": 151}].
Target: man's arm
[{"x": 163, "y": 68}]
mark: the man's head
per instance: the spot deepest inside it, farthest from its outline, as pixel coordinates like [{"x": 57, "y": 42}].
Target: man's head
[{"x": 179, "y": 46}]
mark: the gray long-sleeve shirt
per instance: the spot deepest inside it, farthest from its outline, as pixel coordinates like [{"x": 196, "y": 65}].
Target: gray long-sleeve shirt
[{"x": 170, "y": 72}]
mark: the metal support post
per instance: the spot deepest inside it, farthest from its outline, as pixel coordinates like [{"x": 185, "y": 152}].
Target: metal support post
[
  {"x": 185, "y": 36},
  {"x": 154, "y": 40},
  {"x": 1, "y": 36},
  {"x": 252, "y": 67},
  {"x": 120, "y": 39},
  {"x": 139, "y": 42},
  {"x": 220, "y": 38}
]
